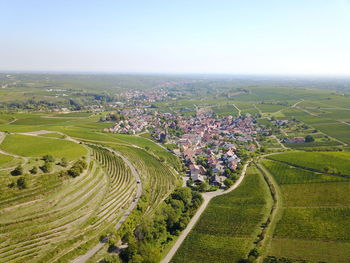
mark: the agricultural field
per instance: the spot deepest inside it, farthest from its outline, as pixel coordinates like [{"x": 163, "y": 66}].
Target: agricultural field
[
  {"x": 270, "y": 108},
  {"x": 331, "y": 125},
  {"x": 225, "y": 110},
  {"x": 159, "y": 180},
  {"x": 326, "y": 162},
  {"x": 60, "y": 213},
  {"x": 33, "y": 146},
  {"x": 65, "y": 216},
  {"x": 51, "y": 215},
  {"x": 230, "y": 224},
  {"x": 315, "y": 216}
]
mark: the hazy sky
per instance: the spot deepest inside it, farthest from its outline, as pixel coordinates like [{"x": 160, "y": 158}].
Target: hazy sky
[{"x": 176, "y": 36}]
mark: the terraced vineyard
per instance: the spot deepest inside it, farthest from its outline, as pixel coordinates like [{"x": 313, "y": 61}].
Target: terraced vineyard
[
  {"x": 57, "y": 218},
  {"x": 122, "y": 186},
  {"x": 42, "y": 223},
  {"x": 158, "y": 179},
  {"x": 314, "y": 221}
]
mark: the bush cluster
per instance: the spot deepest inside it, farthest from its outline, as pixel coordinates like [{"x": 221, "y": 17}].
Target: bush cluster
[
  {"x": 77, "y": 168},
  {"x": 147, "y": 240}
]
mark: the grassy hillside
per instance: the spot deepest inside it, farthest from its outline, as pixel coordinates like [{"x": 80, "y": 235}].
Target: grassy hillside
[
  {"x": 4, "y": 159},
  {"x": 34, "y": 146}
]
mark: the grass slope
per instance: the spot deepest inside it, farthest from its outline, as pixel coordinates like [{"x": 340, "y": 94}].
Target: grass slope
[
  {"x": 5, "y": 159},
  {"x": 38, "y": 146}
]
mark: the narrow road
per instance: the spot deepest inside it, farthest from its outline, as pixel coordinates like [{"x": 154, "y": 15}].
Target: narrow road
[
  {"x": 260, "y": 112},
  {"x": 296, "y": 104},
  {"x": 277, "y": 140},
  {"x": 97, "y": 247},
  {"x": 239, "y": 111},
  {"x": 207, "y": 197}
]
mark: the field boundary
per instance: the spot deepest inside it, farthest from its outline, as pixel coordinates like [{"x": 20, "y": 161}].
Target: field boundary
[{"x": 276, "y": 210}]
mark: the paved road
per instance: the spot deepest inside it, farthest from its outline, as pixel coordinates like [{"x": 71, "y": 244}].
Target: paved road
[
  {"x": 95, "y": 249},
  {"x": 207, "y": 197}
]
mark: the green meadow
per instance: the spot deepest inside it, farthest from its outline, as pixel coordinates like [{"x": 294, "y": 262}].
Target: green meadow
[{"x": 35, "y": 146}]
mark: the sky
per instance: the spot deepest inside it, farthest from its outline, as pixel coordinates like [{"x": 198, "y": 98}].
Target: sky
[{"x": 307, "y": 37}]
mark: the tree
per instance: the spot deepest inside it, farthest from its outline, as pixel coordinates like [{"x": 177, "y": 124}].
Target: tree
[
  {"x": 17, "y": 171},
  {"x": 111, "y": 259},
  {"x": 228, "y": 183},
  {"x": 21, "y": 183},
  {"x": 203, "y": 187},
  {"x": 74, "y": 171},
  {"x": 184, "y": 194},
  {"x": 48, "y": 158},
  {"x": 309, "y": 138},
  {"x": 34, "y": 170},
  {"x": 47, "y": 167},
  {"x": 254, "y": 253}
]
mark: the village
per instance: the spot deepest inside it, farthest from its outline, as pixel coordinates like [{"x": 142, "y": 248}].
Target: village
[{"x": 210, "y": 147}]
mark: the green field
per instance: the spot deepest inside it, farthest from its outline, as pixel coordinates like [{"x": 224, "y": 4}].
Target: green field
[
  {"x": 56, "y": 217},
  {"x": 316, "y": 207},
  {"x": 225, "y": 110},
  {"x": 33, "y": 146},
  {"x": 4, "y": 159},
  {"x": 287, "y": 174},
  {"x": 229, "y": 225},
  {"x": 329, "y": 162}
]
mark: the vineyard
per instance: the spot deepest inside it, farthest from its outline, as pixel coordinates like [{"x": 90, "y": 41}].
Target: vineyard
[
  {"x": 57, "y": 218},
  {"x": 287, "y": 174},
  {"x": 158, "y": 179},
  {"x": 316, "y": 211},
  {"x": 230, "y": 224},
  {"x": 325, "y": 162}
]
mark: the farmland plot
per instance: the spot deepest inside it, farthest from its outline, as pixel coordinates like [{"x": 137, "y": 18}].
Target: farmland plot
[{"x": 316, "y": 207}]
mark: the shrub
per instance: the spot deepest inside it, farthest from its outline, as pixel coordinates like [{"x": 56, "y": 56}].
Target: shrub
[
  {"x": 111, "y": 259},
  {"x": 21, "y": 183},
  {"x": 309, "y": 138},
  {"x": 34, "y": 170},
  {"x": 74, "y": 171},
  {"x": 48, "y": 158},
  {"x": 228, "y": 183},
  {"x": 64, "y": 162},
  {"x": 77, "y": 168},
  {"x": 17, "y": 171},
  {"x": 47, "y": 167}
]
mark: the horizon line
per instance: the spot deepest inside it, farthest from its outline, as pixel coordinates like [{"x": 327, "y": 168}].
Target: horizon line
[{"x": 155, "y": 73}]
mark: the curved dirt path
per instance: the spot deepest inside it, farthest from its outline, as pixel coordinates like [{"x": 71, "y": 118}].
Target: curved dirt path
[{"x": 207, "y": 197}]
